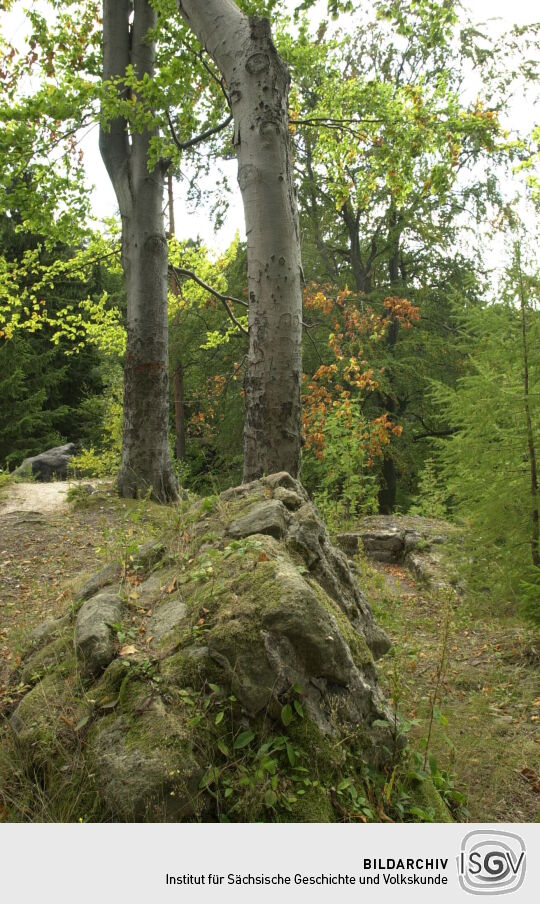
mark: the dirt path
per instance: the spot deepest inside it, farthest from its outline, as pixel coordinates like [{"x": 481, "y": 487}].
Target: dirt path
[
  {"x": 47, "y": 545},
  {"x": 486, "y": 727},
  {"x": 34, "y": 497}
]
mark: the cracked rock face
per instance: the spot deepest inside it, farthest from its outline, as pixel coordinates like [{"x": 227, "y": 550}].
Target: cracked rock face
[
  {"x": 269, "y": 517},
  {"x": 257, "y": 602}
]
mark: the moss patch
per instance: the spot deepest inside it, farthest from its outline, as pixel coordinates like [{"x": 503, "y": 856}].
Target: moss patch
[{"x": 426, "y": 796}]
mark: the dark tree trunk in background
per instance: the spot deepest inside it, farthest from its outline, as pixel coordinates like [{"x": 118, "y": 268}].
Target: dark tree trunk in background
[
  {"x": 146, "y": 464},
  {"x": 361, "y": 272},
  {"x": 257, "y": 82},
  {"x": 535, "y": 514},
  {"x": 179, "y": 413},
  {"x": 178, "y": 380}
]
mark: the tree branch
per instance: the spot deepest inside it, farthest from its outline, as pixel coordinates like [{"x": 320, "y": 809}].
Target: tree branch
[
  {"x": 213, "y": 75},
  {"x": 330, "y": 121},
  {"x": 224, "y": 299},
  {"x": 314, "y": 344},
  {"x": 429, "y": 431},
  {"x": 184, "y": 145}
]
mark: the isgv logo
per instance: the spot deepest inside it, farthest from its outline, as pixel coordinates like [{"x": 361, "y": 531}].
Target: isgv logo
[{"x": 491, "y": 862}]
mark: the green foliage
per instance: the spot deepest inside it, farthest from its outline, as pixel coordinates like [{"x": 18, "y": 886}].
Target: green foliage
[
  {"x": 529, "y": 588},
  {"x": 211, "y": 351},
  {"x": 103, "y": 458},
  {"x": 343, "y": 486},
  {"x": 485, "y": 466},
  {"x": 284, "y": 770},
  {"x": 431, "y": 499},
  {"x": 27, "y": 380}
]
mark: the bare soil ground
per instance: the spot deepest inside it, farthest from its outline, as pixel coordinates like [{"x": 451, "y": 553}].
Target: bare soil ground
[
  {"x": 35, "y": 497},
  {"x": 47, "y": 545}
]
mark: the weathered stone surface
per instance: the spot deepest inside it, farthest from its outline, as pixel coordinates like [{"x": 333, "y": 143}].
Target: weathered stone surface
[
  {"x": 290, "y": 499},
  {"x": 154, "y": 587},
  {"x": 41, "y": 721},
  {"x": 245, "y": 489},
  {"x": 48, "y": 465},
  {"x": 417, "y": 542},
  {"x": 188, "y": 667},
  {"x": 148, "y": 555},
  {"x": 218, "y": 640},
  {"x": 56, "y": 655},
  {"x": 94, "y": 634},
  {"x": 268, "y": 517},
  {"x": 431, "y": 566},
  {"x": 295, "y": 635},
  {"x": 48, "y": 631},
  {"x": 108, "y": 575},
  {"x": 306, "y": 535},
  {"x": 384, "y": 545},
  {"x": 144, "y": 767},
  {"x": 168, "y": 616},
  {"x": 282, "y": 480}
]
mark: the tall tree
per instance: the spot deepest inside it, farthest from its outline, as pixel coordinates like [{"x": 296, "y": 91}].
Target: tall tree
[
  {"x": 488, "y": 466},
  {"x": 146, "y": 464},
  {"x": 257, "y": 83},
  {"x": 385, "y": 143}
]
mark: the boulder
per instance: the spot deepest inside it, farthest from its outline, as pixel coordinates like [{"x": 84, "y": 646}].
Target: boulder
[
  {"x": 145, "y": 767},
  {"x": 268, "y": 517},
  {"x": 48, "y": 465},
  {"x": 110, "y": 574},
  {"x": 94, "y": 632},
  {"x": 249, "y": 650}
]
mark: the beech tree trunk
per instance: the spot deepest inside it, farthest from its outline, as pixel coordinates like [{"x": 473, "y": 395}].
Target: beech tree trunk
[
  {"x": 257, "y": 82},
  {"x": 146, "y": 465}
]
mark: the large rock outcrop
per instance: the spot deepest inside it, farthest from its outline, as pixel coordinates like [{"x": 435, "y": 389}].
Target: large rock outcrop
[{"x": 230, "y": 676}]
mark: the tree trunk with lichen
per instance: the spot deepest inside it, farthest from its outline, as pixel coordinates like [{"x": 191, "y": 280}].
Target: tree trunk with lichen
[
  {"x": 146, "y": 464},
  {"x": 257, "y": 83}
]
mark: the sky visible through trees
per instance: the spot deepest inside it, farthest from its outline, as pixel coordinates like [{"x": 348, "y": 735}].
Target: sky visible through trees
[
  {"x": 410, "y": 219},
  {"x": 191, "y": 221}
]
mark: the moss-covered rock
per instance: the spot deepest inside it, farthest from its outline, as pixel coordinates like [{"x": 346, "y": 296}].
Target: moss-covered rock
[
  {"x": 143, "y": 761},
  {"x": 45, "y": 721},
  {"x": 233, "y": 677},
  {"x": 56, "y": 656},
  {"x": 95, "y": 633}
]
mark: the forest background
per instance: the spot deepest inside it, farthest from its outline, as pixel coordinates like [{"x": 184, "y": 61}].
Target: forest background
[{"x": 418, "y": 200}]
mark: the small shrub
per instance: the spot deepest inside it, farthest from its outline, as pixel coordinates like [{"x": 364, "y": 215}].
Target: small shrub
[
  {"x": 89, "y": 463},
  {"x": 431, "y": 499}
]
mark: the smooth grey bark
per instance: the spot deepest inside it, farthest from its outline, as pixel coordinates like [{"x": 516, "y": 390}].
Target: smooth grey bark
[
  {"x": 257, "y": 82},
  {"x": 146, "y": 463}
]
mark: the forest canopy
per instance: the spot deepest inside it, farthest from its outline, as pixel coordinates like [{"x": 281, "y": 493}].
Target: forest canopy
[{"x": 416, "y": 200}]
